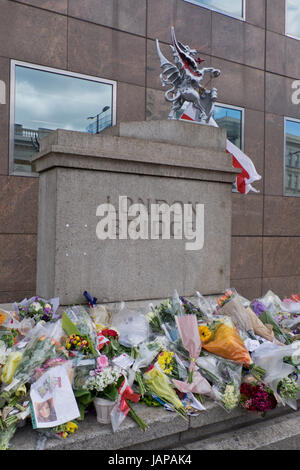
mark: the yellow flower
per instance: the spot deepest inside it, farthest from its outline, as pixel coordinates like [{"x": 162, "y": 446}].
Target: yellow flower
[
  {"x": 68, "y": 345},
  {"x": 71, "y": 427},
  {"x": 205, "y": 333},
  {"x": 65, "y": 434}
]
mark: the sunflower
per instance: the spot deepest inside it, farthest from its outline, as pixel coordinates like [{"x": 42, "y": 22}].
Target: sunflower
[{"x": 205, "y": 333}]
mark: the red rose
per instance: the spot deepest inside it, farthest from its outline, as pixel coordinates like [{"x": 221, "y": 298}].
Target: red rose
[{"x": 112, "y": 333}]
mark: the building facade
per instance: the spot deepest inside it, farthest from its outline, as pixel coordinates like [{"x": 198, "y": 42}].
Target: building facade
[{"x": 105, "y": 51}]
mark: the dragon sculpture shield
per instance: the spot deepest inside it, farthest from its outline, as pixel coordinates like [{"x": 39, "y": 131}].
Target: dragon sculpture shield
[{"x": 185, "y": 79}]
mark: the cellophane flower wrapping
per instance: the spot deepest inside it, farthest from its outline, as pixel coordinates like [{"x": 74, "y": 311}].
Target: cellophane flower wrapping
[
  {"x": 83, "y": 323},
  {"x": 226, "y": 342},
  {"x": 132, "y": 326},
  {"x": 123, "y": 407},
  {"x": 145, "y": 354},
  {"x": 160, "y": 385},
  {"x": 37, "y": 308},
  {"x": 167, "y": 312},
  {"x": 36, "y": 352},
  {"x": 195, "y": 383},
  {"x": 170, "y": 364},
  {"x": 226, "y": 377},
  {"x": 231, "y": 305},
  {"x": 271, "y": 357}
]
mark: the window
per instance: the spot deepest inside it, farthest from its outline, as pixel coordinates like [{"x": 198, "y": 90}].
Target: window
[
  {"x": 44, "y": 99},
  {"x": 235, "y": 8},
  {"x": 292, "y": 18},
  {"x": 292, "y": 158},
  {"x": 231, "y": 119}
]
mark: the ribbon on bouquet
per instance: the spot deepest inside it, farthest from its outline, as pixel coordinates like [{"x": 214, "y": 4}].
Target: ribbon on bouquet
[
  {"x": 92, "y": 301},
  {"x": 126, "y": 393}
]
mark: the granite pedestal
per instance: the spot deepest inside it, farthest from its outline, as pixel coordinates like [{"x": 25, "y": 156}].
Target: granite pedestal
[{"x": 169, "y": 163}]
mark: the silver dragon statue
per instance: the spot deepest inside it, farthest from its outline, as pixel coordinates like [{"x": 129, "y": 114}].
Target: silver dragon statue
[{"x": 185, "y": 79}]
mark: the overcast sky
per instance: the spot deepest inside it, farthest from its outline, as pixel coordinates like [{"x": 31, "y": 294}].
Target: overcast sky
[
  {"x": 293, "y": 18},
  {"x": 233, "y": 7},
  {"x": 49, "y": 100}
]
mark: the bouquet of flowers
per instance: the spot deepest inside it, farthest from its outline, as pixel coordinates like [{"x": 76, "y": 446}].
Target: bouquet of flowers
[
  {"x": 288, "y": 387},
  {"x": 166, "y": 313},
  {"x": 191, "y": 309},
  {"x": 108, "y": 343},
  {"x": 230, "y": 304},
  {"x": 123, "y": 407},
  {"x": 77, "y": 343},
  {"x": 144, "y": 354},
  {"x": 64, "y": 430},
  {"x": 257, "y": 397},
  {"x": 160, "y": 385},
  {"x": 154, "y": 320},
  {"x": 171, "y": 365},
  {"x": 37, "y": 308},
  {"x": 281, "y": 335},
  {"x": 9, "y": 337},
  {"x": 224, "y": 341},
  {"x": 103, "y": 381},
  {"x": 15, "y": 409},
  {"x": 37, "y": 351},
  {"x": 226, "y": 377},
  {"x": 76, "y": 321}
]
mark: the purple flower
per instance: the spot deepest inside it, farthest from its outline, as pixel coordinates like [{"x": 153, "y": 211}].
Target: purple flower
[{"x": 258, "y": 307}]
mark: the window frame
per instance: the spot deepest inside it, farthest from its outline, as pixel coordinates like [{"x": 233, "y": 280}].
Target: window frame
[
  {"x": 237, "y": 108},
  {"x": 284, "y": 155},
  {"x": 13, "y": 65},
  {"x": 241, "y": 18},
  {"x": 297, "y": 38}
]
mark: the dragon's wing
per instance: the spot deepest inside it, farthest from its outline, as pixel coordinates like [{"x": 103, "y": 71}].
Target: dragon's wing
[{"x": 170, "y": 73}]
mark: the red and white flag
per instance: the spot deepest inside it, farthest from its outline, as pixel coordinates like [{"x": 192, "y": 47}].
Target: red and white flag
[{"x": 239, "y": 158}]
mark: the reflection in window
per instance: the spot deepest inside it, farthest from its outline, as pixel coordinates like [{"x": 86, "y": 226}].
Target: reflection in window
[
  {"x": 46, "y": 101},
  {"x": 230, "y": 119},
  {"x": 230, "y": 7},
  {"x": 293, "y": 18},
  {"x": 292, "y": 158}
]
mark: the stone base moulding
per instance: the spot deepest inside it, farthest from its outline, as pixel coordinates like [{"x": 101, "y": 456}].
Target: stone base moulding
[{"x": 154, "y": 162}]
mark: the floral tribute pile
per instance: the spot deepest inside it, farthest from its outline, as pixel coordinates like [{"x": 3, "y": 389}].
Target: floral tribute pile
[{"x": 59, "y": 364}]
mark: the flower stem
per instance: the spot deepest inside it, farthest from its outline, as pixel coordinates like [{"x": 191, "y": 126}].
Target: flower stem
[{"x": 136, "y": 417}]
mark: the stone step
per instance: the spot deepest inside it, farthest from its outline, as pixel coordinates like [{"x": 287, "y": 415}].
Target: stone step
[
  {"x": 279, "y": 433},
  {"x": 167, "y": 430}
]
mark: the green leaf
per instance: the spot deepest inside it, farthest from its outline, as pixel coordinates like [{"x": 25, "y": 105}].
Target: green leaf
[{"x": 68, "y": 326}]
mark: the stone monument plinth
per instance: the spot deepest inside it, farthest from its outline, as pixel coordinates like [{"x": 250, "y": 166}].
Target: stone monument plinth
[{"x": 134, "y": 212}]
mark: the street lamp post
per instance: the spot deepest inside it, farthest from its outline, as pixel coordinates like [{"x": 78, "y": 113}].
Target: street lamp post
[{"x": 97, "y": 116}]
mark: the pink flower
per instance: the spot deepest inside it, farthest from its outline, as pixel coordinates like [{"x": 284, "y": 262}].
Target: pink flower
[{"x": 102, "y": 362}]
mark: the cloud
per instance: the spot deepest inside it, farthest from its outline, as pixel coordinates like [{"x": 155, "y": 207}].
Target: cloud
[{"x": 45, "y": 99}]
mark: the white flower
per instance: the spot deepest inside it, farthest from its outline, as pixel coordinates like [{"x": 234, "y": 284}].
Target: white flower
[
  {"x": 48, "y": 306},
  {"x": 36, "y": 306},
  {"x": 230, "y": 397},
  {"x": 3, "y": 353}
]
